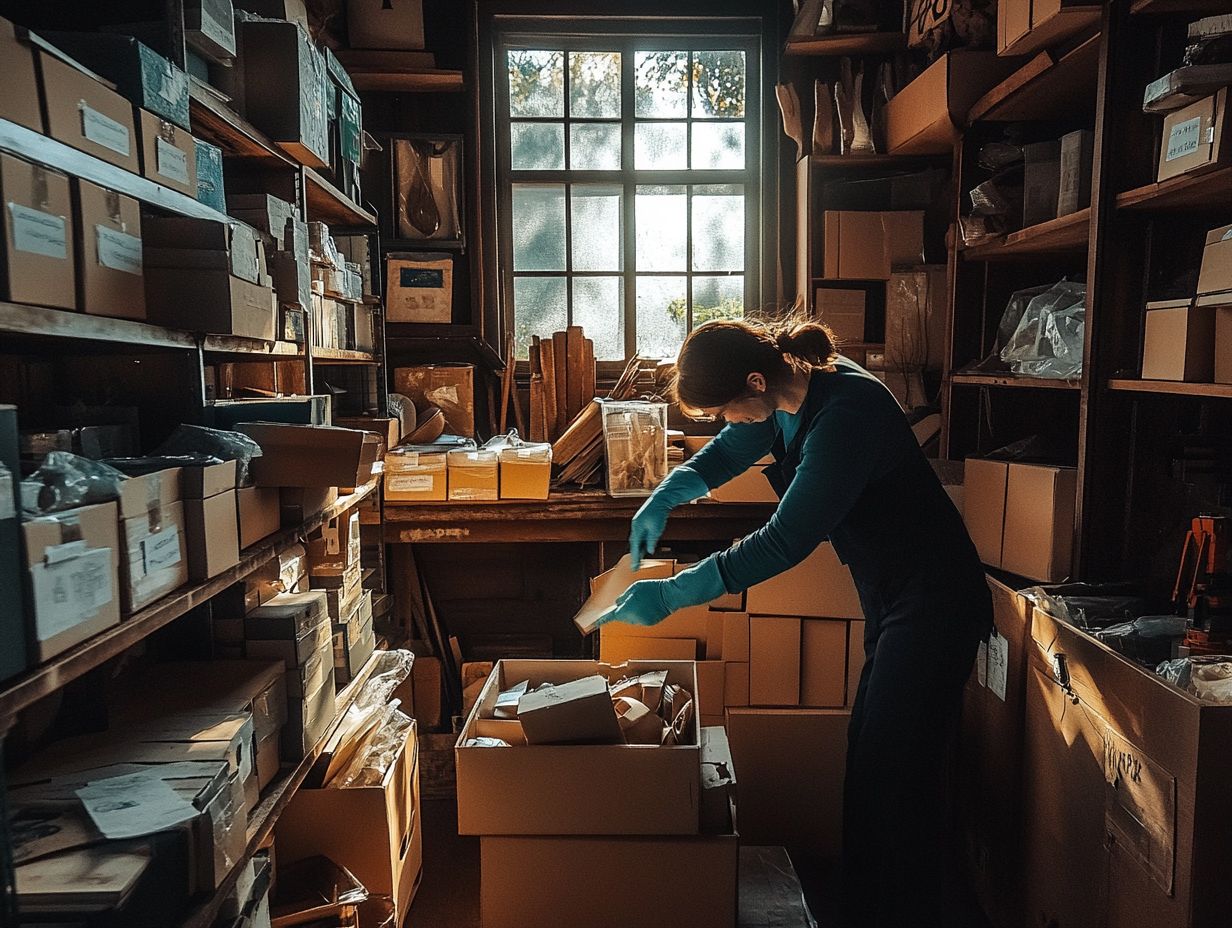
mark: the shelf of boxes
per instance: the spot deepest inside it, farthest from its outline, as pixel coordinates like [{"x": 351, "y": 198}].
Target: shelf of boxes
[
  {"x": 1065, "y": 234},
  {"x": 1198, "y": 190}
]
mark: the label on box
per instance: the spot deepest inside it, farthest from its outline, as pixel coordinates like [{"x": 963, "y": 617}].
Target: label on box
[
  {"x": 170, "y": 161},
  {"x": 421, "y": 278},
  {"x": 38, "y": 233},
  {"x": 1183, "y": 139},
  {"x": 8, "y": 509},
  {"x": 118, "y": 250},
  {"x": 158, "y": 552},
  {"x": 998, "y": 664},
  {"x": 409, "y": 459},
  {"x": 420, "y": 483},
  {"x": 71, "y": 584},
  {"x": 981, "y": 664},
  {"x": 472, "y": 493},
  {"x": 103, "y": 130}
]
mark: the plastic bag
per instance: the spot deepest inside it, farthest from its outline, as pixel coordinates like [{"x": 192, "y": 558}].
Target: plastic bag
[
  {"x": 65, "y": 481},
  {"x": 371, "y": 704},
  {"x": 1147, "y": 639},
  {"x": 1048, "y": 341},
  {"x": 1208, "y": 677},
  {"x": 370, "y": 764},
  {"x": 512, "y": 447},
  {"x": 1089, "y": 606},
  {"x": 226, "y": 446}
]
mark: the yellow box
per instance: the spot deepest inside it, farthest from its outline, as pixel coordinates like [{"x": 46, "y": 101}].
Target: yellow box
[
  {"x": 474, "y": 475},
  {"x": 525, "y": 472},
  {"x": 415, "y": 477}
]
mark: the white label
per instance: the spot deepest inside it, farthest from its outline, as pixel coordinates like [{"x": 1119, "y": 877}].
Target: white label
[
  {"x": 1183, "y": 139},
  {"x": 118, "y": 250},
  {"x": 998, "y": 664},
  {"x": 472, "y": 493},
  {"x": 134, "y": 805},
  {"x": 413, "y": 484},
  {"x": 105, "y": 131},
  {"x": 410, "y": 459},
  {"x": 981, "y": 664},
  {"x": 70, "y": 591},
  {"x": 8, "y": 510},
  {"x": 37, "y": 232},
  {"x": 171, "y": 162},
  {"x": 158, "y": 552}
]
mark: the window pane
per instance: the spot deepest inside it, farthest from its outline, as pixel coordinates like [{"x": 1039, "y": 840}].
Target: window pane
[
  {"x": 594, "y": 147},
  {"x": 718, "y": 228},
  {"x": 536, "y": 83},
  {"x": 539, "y": 308},
  {"x": 599, "y": 309},
  {"x": 661, "y": 84},
  {"x": 537, "y": 146},
  {"x": 717, "y": 298},
  {"x": 662, "y": 215},
  {"x": 661, "y": 315},
  {"x": 718, "y": 84},
  {"x": 594, "y": 84},
  {"x": 659, "y": 146},
  {"x": 598, "y": 236},
  {"x": 538, "y": 227},
  {"x": 718, "y": 145}
]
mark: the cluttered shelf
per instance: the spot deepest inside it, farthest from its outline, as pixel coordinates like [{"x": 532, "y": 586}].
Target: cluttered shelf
[
  {"x": 1172, "y": 387},
  {"x": 235, "y": 344},
  {"x": 864, "y": 43},
  {"x": 342, "y": 356},
  {"x": 47, "y": 678},
  {"x": 1049, "y": 86},
  {"x": 277, "y": 796},
  {"x": 328, "y": 204},
  {"x": 1012, "y": 381},
  {"x": 426, "y": 81},
  {"x": 1196, "y": 190},
  {"x": 215, "y": 121},
  {"x": 1065, "y": 234},
  {"x": 40, "y": 322}
]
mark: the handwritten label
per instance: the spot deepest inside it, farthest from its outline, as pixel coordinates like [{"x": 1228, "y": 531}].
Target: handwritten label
[
  {"x": 37, "y": 232},
  {"x": 1183, "y": 139},
  {"x": 72, "y": 589},
  {"x": 171, "y": 163},
  {"x": 118, "y": 250},
  {"x": 103, "y": 130},
  {"x": 998, "y": 664},
  {"x": 159, "y": 552},
  {"x": 418, "y": 483},
  {"x": 471, "y": 493}
]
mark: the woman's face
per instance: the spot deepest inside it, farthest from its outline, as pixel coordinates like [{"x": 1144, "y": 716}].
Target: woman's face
[{"x": 756, "y": 406}]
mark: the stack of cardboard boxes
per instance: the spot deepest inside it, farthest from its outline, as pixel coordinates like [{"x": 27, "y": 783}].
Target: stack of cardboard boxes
[
  {"x": 334, "y": 568},
  {"x": 424, "y": 473}
]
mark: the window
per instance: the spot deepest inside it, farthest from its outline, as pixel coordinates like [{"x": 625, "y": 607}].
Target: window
[{"x": 627, "y": 172}]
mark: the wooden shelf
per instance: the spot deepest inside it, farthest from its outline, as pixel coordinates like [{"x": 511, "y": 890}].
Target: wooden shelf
[
  {"x": 39, "y": 322},
  {"x": 273, "y": 803},
  {"x": 1206, "y": 190},
  {"x": 342, "y": 356},
  {"x": 326, "y": 203},
  {"x": 425, "y": 81},
  {"x": 1195, "y": 8},
  {"x": 51, "y": 676},
  {"x": 1065, "y": 235},
  {"x": 1174, "y": 388},
  {"x": 863, "y": 43},
  {"x": 234, "y": 344},
  {"x": 869, "y": 162},
  {"x": 213, "y": 120},
  {"x": 1046, "y": 87},
  {"x": 1013, "y": 381}
]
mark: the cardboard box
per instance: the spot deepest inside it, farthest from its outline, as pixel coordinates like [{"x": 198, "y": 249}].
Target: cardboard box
[
  {"x": 516, "y": 791},
  {"x": 334, "y": 551},
  {"x": 574, "y": 712},
  {"x": 749, "y": 487},
  {"x": 211, "y": 301},
  {"x": 735, "y": 684},
  {"x": 1041, "y": 181},
  {"x": 209, "y": 27},
  {"x": 168, "y": 154},
  {"x": 615, "y": 648},
  {"x": 201, "y": 244},
  {"x": 984, "y": 486},
  {"x": 210, "y": 188},
  {"x": 72, "y": 559},
  {"x": 450, "y": 387},
  {"x": 412, "y": 476},
  {"x": 473, "y": 475},
  {"x": 855, "y": 660},
  {"x": 842, "y": 311},
  {"x": 382, "y": 25},
  {"x": 153, "y": 552},
  {"x": 823, "y": 663},
  {"x": 390, "y": 430},
  {"x": 711, "y": 688},
  {"x": 373, "y": 831},
  {"x": 20, "y": 80},
  {"x": 299, "y": 504},
  {"x": 212, "y": 535},
  {"x": 306, "y": 455},
  {"x": 1077, "y": 157},
  {"x": 818, "y": 587},
  {"x": 288, "y": 616},
  {"x": 310, "y": 717},
  {"x": 258, "y": 513},
  {"x": 700, "y": 892},
  {"x": 924, "y": 117},
  {"x": 110, "y": 278},
  {"x": 607, "y": 587},
  {"x": 867, "y": 246},
  {"x": 1025, "y": 27},
  {"x": 1194, "y": 137},
  {"x": 1039, "y": 521},
  {"x": 280, "y": 54},
  {"x": 208, "y": 480},
  {"x": 1179, "y": 342},
  {"x": 791, "y": 752},
  {"x": 37, "y": 233},
  {"x": 736, "y": 636},
  {"x": 1223, "y": 344},
  {"x": 525, "y": 473},
  {"x": 774, "y": 661},
  {"x": 85, "y": 114},
  {"x": 1215, "y": 275}
]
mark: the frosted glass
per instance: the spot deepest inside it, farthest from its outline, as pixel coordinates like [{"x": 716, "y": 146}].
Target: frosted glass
[
  {"x": 719, "y": 84},
  {"x": 718, "y": 145},
  {"x": 662, "y": 220},
  {"x": 537, "y": 146},
  {"x": 718, "y": 230},
  {"x": 538, "y": 227},
  {"x": 598, "y": 239},
  {"x": 594, "y": 146},
  {"x": 661, "y": 315},
  {"x": 661, "y": 84},
  {"x": 594, "y": 84},
  {"x": 659, "y": 146},
  {"x": 539, "y": 308},
  {"x": 536, "y": 83},
  {"x": 717, "y": 298},
  {"x": 599, "y": 309}
]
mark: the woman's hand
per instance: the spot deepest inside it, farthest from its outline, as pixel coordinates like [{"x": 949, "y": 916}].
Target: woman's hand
[
  {"x": 681, "y": 486},
  {"x": 649, "y": 602}
]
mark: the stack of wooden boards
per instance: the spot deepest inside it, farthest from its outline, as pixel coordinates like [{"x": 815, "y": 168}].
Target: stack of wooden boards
[{"x": 562, "y": 381}]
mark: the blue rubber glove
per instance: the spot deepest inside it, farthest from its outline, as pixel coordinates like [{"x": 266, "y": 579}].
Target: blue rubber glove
[
  {"x": 649, "y": 602},
  {"x": 682, "y": 485}
]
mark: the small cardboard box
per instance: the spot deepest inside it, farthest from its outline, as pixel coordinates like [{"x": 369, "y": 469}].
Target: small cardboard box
[
  {"x": 335, "y": 550},
  {"x": 413, "y": 477},
  {"x": 168, "y": 154},
  {"x": 1215, "y": 275},
  {"x": 87, "y": 115},
  {"x": 474, "y": 475},
  {"x": 923, "y": 118},
  {"x": 984, "y": 486},
  {"x": 774, "y": 661},
  {"x": 749, "y": 487},
  {"x": 37, "y": 233},
  {"x": 179, "y": 241},
  {"x": 1039, "y": 521},
  {"x": 736, "y": 636},
  {"x": 1179, "y": 342},
  {"x": 818, "y": 587},
  {"x": 209, "y": 27},
  {"x": 385, "y": 24},
  {"x": 211, "y": 301},
  {"x": 574, "y": 712},
  {"x": 72, "y": 560},
  {"x": 867, "y": 246},
  {"x": 842, "y": 311},
  {"x": 516, "y": 791},
  {"x": 110, "y": 275},
  {"x": 735, "y": 684},
  {"x": 1041, "y": 181},
  {"x": 210, "y": 188},
  {"x": 287, "y": 616},
  {"x": 212, "y": 535},
  {"x": 309, "y": 717},
  {"x": 711, "y": 686},
  {"x": 1025, "y": 27},
  {"x": 280, "y": 54},
  {"x": 605, "y": 588},
  {"x": 450, "y": 387},
  {"x": 306, "y": 455},
  {"x": 419, "y": 288},
  {"x": 20, "y": 102},
  {"x": 1077, "y": 158},
  {"x": 1194, "y": 137},
  {"x": 258, "y": 513},
  {"x": 525, "y": 473},
  {"x": 153, "y": 554},
  {"x": 208, "y": 480}
]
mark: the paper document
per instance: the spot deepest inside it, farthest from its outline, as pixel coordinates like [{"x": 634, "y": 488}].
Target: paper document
[{"x": 134, "y": 805}]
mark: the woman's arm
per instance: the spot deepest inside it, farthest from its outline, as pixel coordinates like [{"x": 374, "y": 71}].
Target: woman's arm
[{"x": 733, "y": 451}]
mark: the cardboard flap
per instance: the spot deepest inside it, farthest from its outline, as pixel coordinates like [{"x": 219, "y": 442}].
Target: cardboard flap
[{"x": 606, "y": 587}]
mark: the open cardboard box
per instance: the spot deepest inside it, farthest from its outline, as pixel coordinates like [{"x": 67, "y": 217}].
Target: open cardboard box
[{"x": 599, "y": 789}]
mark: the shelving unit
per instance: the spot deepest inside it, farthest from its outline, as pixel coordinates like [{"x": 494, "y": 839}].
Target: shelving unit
[
  {"x": 1013, "y": 381},
  {"x": 1173, "y": 388},
  {"x": 1197, "y": 191},
  {"x": 1064, "y": 234},
  {"x": 1049, "y": 85},
  {"x": 433, "y": 81}
]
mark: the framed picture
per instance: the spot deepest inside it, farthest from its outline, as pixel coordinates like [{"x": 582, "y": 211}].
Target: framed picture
[{"x": 427, "y": 190}]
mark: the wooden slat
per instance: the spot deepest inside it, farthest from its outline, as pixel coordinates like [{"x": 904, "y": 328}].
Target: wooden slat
[
  {"x": 547, "y": 364},
  {"x": 588, "y": 371},
  {"x": 560, "y": 356},
  {"x": 870, "y": 43},
  {"x": 1067, "y": 234},
  {"x": 435, "y": 81},
  {"x": 1200, "y": 190},
  {"x": 575, "y": 358},
  {"x": 1173, "y": 388},
  {"x": 1046, "y": 87},
  {"x": 1013, "y": 381}
]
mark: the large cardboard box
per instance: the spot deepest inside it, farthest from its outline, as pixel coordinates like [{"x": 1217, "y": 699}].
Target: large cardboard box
[
  {"x": 615, "y": 648},
  {"x": 820, "y": 586},
  {"x": 212, "y": 529},
  {"x": 71, "y": 559},
  {"x": 153, "y": 550},
  {"x": 211, "y": 301},
  {"x": 783, "y": 753},
  {"x": 110, "y": 274},
  {"x": 258, "y": 513},
  {"x": 842, "y": 311},
  {"x": 1179, "y": 342},
  {"x": 1215, "y": 275},
  {"x": 413, "y": 476},
  {"x": 280, "y": 54},
  {"x": 84, "y": 113},
  {"x": 574, "y": 789},
  {"x": 774, "y": 661},
  {"x": 450, "y": 387},
  {"x": 385, "y": 24},
  {"x": 924, "y": 117},
  {"x": 38, "y": 237},
  {"x": 1194, "y": 137},
  {"x": 1024, "y": 27},
  {"x": 984, "y": 486},
  {"x": 306, "y": 455},
  {"x": 866, "y": 246},
  {"x": 567, "y": 882},
  {"x": 749, "y": 487},
  {"x": 20, "y": 103},
  {"x": 1039, "y": 521}
]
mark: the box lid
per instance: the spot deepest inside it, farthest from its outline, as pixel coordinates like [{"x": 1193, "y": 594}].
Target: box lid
[
  {"x": 146, "y": 494},
  {"x": 209, "y": 480}
]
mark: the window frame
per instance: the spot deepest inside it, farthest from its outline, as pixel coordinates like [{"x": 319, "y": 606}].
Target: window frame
[{"x": 627, "y": 37}]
